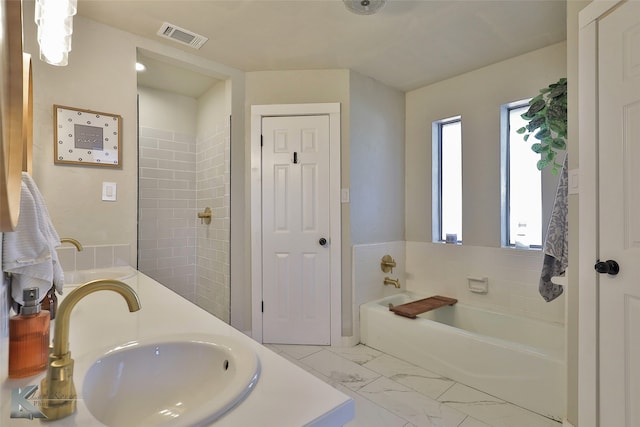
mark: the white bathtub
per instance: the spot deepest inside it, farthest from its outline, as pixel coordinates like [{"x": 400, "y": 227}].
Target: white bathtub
[{"x": 517, "y": 359}]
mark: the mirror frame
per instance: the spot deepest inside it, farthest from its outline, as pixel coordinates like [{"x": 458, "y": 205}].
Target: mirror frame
[{"x": 11, "y": 113}]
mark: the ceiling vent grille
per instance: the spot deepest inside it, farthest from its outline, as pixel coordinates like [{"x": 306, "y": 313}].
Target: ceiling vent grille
[{"x": 180, "y": 35}]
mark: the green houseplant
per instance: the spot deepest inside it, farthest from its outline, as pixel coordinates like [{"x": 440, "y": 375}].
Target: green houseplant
[{"x": 547, "y": 117}]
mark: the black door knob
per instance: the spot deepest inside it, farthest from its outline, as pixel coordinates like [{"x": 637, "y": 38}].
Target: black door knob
[
  {"x": 322, "y": 241},
  {"x": 607, "y": 267}
]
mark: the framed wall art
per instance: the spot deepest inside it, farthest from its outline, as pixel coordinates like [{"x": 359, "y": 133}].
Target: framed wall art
[{"x": 86, "y": 137}]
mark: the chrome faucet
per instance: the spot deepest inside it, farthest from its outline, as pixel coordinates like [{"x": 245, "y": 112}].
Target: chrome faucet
[
  {"x": 394, "y": 282},
  {"x": 58, "y": 393},
  {"x": 74, "y": 242}
]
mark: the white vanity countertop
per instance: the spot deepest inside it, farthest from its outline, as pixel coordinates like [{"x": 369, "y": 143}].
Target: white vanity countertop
[{"x": 284, "y": 396}]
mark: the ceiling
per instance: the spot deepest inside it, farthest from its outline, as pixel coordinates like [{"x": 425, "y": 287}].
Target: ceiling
[{"x": 406, "y": 45}]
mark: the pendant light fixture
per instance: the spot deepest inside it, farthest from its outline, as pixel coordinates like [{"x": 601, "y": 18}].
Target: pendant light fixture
[{"x": 55, "y": 26}]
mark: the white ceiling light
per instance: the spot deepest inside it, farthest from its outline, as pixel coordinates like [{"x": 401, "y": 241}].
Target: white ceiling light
[
  {"x": 55, "y": 26},
  {"x": 364, "y": 7},
  {"x": 140, "y": 67}
]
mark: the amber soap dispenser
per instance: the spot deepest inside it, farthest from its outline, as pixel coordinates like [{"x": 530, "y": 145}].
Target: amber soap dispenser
[{"x": 29, "y": 337}]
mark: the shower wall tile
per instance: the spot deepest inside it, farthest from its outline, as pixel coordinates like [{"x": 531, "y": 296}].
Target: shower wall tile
[
  {"x": 146, "y": 132},
  {"x": 180, "y": 175},
  {"x": 213, "y": 240},
  {"x": 168, "y": 208}
]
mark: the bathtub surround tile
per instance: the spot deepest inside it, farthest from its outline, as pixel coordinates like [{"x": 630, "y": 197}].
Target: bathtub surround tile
[
  {"x": 416, "y": 408},
  {"x": 421, "y": 380},
  {"x": 433, "y": 268},
  {"x": 86, "y": 259},
  {"x": 67, "y": 258},
  {"x": 491, "y": 410},
  {"x": 104, "y": 257},
  {"x": 121, "y": 255},
  {"x": 368, "y": 277},
  {"x": 93, "y": 256},
  {"x": 339, "y": 370}
]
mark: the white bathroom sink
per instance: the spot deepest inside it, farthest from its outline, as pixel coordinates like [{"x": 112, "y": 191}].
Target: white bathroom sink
[
  {"x": 79, "y": 277},
  {"x": 186, "y": 380}
]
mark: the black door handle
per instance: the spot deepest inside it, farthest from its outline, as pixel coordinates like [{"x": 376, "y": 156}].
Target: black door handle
[
  {"x": 607, "y": 267},
  {"x": 322, "y": 241}
]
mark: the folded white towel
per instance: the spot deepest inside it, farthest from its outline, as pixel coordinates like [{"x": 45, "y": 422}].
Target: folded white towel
[{"x": 29, "y": 253}]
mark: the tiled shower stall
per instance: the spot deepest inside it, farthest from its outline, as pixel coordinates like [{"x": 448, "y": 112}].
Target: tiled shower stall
[{"x": 180, "y": 175}]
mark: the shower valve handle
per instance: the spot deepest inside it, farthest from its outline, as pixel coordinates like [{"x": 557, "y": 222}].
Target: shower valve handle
[{"x": 607, "y": 267}]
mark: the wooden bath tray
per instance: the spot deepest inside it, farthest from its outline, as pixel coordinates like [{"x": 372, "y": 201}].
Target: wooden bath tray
[{"x": 412, "y": 309}]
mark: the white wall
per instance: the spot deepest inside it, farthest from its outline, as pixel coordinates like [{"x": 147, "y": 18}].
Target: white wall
[
  {"x": 377, "y": 154},
  {"x": 299, "y": 87},
  {"x": 377, "y": 180},
  {"x": 214, "y": 106},
  {"x": 99, "y": 77},
  {"x": 160, "y": 109},
  {"x": 372, "y": 154},
  {"x": 477, "y": 97}
]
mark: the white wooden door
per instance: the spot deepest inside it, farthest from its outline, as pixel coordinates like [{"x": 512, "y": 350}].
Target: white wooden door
[
  {"x": 295, "y": 230},
  {"x": 619, "y": 207}
]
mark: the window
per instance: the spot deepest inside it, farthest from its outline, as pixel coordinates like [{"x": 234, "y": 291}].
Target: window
[
  {"x": 521, "y": 183},
  {"x": 447, "y": 180}
]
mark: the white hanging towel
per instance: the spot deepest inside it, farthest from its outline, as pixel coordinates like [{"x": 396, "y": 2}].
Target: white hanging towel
[
  {"x": 556, "y": 244},
  {"x": 29, "y": 253}
]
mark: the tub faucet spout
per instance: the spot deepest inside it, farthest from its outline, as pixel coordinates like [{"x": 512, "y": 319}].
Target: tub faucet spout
[
  {"x": 393, "y": 282},
  {"x": 74, "y": 242},
  {"x": 57, "y": 388}
]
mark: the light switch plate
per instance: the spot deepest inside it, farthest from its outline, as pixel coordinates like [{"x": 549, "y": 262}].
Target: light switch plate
[
  {"x": 109, "y": 191},
  {"x": 344, "y": 195},
  {"x": 574, "y": 181}
]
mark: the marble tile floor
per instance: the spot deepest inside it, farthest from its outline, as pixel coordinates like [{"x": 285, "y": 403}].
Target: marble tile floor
[{"x": 389, "y": 392}]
